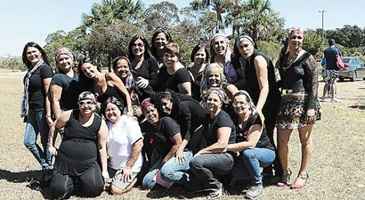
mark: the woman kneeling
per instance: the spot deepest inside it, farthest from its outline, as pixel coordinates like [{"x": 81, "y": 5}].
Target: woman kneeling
[{"x": 83, "y": 141}]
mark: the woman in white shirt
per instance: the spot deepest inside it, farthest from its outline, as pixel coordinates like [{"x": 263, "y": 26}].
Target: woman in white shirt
[{"x": 124, "y": 147}]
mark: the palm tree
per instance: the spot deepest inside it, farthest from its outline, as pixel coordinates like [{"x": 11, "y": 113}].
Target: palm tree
[{"x": 218, "y": 6}]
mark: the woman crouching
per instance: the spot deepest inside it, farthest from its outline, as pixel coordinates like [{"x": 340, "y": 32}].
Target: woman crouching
[
  {"x": 253, "y": 144},
  {"x": 125, "y": 143}
]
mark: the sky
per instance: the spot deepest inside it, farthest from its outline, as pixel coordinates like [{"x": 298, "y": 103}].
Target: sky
[{"x": 22, "y": 21}]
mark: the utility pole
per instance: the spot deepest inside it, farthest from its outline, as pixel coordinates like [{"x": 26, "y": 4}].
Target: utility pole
[{"x": 322, "y": 15}]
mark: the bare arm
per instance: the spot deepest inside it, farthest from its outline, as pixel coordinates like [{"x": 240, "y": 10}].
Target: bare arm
[
  {"x": 254, "y": 134},
  {"x": 176, "y": 140},
  {"x": 120, "y": 85},
  {"x": 262, "y": 77},
  {"x": 185, "y": 88},
  {"x": 223, "y": 134},
  {"x": 55, "y": 94},
  {"x": 136, "y": 150},
  {"x": 102, "y": 139},
  {"x": 46, "y": 83},
  {"x": 59, "y": 123}
]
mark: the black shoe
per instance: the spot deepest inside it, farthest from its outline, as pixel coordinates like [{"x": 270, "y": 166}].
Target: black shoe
[{"x": 254, "y": 191}]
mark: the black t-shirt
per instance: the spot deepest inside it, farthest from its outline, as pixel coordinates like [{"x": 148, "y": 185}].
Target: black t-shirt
[
  {"x": 36, "y": 89},
  {"x": 70, "y": 90},
  {"x": 148, "y": 70},
  {"x": 158, "y": 140},
  {"x": 167, "y": 81},
  {"x": 212, "y": 125},
  {"x": 191, "y": 116},
  {"x": 242, "y": 132}
]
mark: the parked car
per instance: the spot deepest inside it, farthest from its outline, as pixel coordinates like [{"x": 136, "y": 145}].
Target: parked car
[{"x": 355, "y": 69}]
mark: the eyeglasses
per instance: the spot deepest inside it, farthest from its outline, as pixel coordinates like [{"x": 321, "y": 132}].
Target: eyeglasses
[
  {"x": 296, "y": 37},
  {"x": 83, "y": 103}
]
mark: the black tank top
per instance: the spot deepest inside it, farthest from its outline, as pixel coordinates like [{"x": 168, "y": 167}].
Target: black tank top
[{"x": 78, "y": 150}]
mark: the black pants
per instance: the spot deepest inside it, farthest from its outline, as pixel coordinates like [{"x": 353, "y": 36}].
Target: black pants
[
  {"x": 206, "y": 167},
  {"x": 91, "y": 184}
]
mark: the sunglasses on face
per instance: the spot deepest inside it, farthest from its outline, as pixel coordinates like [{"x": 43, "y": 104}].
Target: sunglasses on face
[
  {"x": 296, "y": 37},
  {"x": 83, "y": 103}
]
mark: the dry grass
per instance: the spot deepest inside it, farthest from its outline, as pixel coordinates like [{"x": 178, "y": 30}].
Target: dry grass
[{"x": 336, "y": 171}]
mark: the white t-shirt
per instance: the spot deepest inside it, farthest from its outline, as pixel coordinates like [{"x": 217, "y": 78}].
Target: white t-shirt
[{"x": 122, "y": 135}]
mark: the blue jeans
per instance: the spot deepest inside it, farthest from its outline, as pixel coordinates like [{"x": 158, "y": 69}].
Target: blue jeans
[
  {"x": 176, "y": 171},
  {"x": 205, "y": 169},
  {"x": 254, "y": 159},
  {"x": 36, "y": 124}
]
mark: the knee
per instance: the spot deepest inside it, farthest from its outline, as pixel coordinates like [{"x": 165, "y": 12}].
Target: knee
[
  {"x": 58, "y": 190},
  {"x": 167, "y": 172},
  {"x": 93, "y": 190},
  {"x": 248, "y": 154},
  {"x": 149, "y": 180},
  {"x": 195, "y": 163}
]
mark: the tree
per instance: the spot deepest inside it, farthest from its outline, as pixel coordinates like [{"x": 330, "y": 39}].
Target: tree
[
  {"x": 257, "y": 19},
  {"x": 164, "y": 14},
  {"x": 220, "y": 7}
]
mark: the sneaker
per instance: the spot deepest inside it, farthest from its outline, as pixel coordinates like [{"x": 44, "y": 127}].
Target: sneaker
[
  {"x": 254, "y": 191},
  {"x": 216, "y": 194}
]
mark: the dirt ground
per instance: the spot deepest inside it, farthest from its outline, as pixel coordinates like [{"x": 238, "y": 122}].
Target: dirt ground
[{"x": 336, "y": 171}]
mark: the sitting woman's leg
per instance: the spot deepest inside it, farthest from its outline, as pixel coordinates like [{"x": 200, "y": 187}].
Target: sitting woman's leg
[
  {"x": 256, "y": 158},
  {"x": 60, "y": 187},
  {"x": 92, "y": 182},
  {"x": 204, "y": 167},
  {"x": 176, "y": 171}
]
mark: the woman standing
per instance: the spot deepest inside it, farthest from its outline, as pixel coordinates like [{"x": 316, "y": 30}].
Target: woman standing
[
  {"x": 144, "y": 66},
  {"x": 257, "y": 76},
  {"x": 64, "y": 87},
  {"x": 36, "y": 108},
  {"x": 125, "y": 143},
  {"x": 214, "y": 160},
  {"x": 253, "y": 144},
  {"x": 173, "y": 75},
  {"x": 159, "y": 40},
  {"x": 221, "y": 53},
  {"x": 105, "y": 84},
  {"x": 199, "y": 59},
  {"x": 83, "y": 143},
  {"x": 299, "y": 108}
]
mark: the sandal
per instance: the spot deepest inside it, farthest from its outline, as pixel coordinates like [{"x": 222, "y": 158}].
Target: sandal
[
  {"x": 285, "y": 179},
  {"x": 300, "y": 181}
]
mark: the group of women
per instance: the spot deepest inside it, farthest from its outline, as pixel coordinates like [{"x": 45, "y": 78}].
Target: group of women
[{"x": 156, "y": 121}]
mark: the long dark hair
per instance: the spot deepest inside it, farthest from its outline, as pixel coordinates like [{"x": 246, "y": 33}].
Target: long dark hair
[
  {"x": 147, "y": 50},
  {"x": 158, "y": 31},
  {"x": 37, "y": 46},
  {"x": 196, "y": 49}
]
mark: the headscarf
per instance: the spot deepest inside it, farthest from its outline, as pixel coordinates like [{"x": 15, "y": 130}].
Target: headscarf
[
  {"x": 63, "y": 51},
  {"x": 146, "y": 103},
  {"x": 245, "y": 37}
]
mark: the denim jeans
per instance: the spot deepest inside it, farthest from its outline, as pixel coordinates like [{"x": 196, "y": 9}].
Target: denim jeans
[
  {"x": 36, "y": 124},
  {"x": 254, "y": 159},
  {"x": 176, "y": 171},
  {"x": 206, "y": 167}
]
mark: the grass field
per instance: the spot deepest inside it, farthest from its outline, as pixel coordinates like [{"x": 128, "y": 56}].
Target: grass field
[{"x": 337, "y": 170}]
